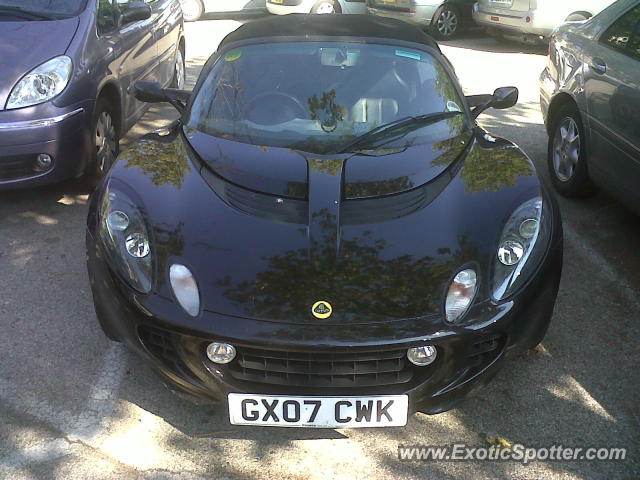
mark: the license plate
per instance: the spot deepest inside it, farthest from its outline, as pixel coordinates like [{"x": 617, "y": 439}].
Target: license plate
[
  {"x": 495, "y": 19},
  {"x": 276, "y": 1},
  {"x": 318, "y": 412}
]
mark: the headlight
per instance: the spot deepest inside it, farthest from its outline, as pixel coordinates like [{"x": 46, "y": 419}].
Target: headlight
[
  {"x": 521, "y": 247},
  {"x": 460, "y": 294},
  {"x": 42, "y": 83},
  {"x": 124, "y": 235}
]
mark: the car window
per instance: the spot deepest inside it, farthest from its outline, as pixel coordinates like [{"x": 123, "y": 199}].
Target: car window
[
  {"x": 107, "y": 16},
  {"x": 315, "y": 96},
  {"x": 55, "y": 7},
  {"x": 623, "y": 34}
]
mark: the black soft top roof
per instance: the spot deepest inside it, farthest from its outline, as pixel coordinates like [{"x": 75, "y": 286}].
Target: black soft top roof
[{"x": 303, "y": 25}]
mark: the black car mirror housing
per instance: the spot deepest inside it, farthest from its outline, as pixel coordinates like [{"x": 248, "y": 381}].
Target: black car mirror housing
[
  {"x": 135, "y": 12},
  {"x": 503, "y": 97},
  {"x": 152, "y": 92}
]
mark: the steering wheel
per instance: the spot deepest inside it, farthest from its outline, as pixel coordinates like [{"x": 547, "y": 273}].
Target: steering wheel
[{"x": 271, "y": 109}]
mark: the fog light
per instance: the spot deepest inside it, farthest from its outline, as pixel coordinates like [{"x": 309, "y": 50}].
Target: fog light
[
  {"x": 422, "y": 356},
  {"x": 43, "y": 162},
  {"x": 221, "y": 352}
]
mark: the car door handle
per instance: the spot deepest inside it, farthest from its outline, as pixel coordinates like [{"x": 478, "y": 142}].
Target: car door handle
[{"x": 599, "y": 66}]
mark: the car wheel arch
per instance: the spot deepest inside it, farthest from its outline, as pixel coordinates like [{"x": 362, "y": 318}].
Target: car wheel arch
[
  {"x": 556, "y": 104},
  {"x": 111, "y": 93},
  {"x": 579, "y": 13}
]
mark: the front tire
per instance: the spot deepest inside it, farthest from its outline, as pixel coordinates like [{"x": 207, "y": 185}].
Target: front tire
[
  {"x": 566, "y": 154},
  {"x": 326, "y": 7},
  {"x": 445, "y": 23},
  {"x": 192, "y": 10},
  {"x": 106, "y": 142}
]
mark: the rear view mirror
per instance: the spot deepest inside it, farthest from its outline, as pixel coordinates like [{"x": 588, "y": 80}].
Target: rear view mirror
[
  {"x": 503, "y": 97},
  {"x": 152, "y": 92},
  {"x": 134, "y": 12}
]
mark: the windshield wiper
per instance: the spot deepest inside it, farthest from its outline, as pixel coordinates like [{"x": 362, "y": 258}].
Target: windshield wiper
[
  {"x": 21, "y": 12},
  {"x": 405, "y": 125}
]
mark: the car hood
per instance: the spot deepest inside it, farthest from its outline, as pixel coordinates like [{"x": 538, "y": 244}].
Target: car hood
[
  {"x": 284, "y": 171},
  {"x": 26, "y": 44},
  {"x": 374, "y": 258}
]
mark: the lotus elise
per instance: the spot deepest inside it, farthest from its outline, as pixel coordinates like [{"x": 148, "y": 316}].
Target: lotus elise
[{"x": 326, "y": 237}]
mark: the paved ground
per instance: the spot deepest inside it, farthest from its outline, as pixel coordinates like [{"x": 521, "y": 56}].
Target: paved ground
[{"x": 76, "y": 406}]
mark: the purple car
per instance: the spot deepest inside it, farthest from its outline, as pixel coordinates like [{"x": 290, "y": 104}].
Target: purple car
[{"x": 66, "y": 70}]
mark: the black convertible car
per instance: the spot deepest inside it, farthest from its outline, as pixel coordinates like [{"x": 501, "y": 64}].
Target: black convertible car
[{"x": 325, "y": 238}]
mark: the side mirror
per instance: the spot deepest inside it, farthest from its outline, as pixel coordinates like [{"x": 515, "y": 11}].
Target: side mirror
[
  {"x": 504, "y": 97},
  {"x": 134, "y": 12},
  {"x": 152, "y": 92}
]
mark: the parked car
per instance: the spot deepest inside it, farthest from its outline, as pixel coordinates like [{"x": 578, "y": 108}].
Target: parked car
[
  {"x": 326, "y": 238},
  {"x": 532, "y": 20},
  {"x": 442, "y": 18},
  {"x": 284, "y": 7},
  {"x": 194, "y": 9},
  {"x": 590, "y": 99},
  {"x": 66, "y": 67}
]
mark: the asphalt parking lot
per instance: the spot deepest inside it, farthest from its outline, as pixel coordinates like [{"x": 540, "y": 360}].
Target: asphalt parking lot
[{"x": 75, "y": 406}]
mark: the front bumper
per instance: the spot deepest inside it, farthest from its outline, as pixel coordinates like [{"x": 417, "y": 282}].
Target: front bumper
[
  {"x": 420, "y": 14},
  {"x": 468, "y": 356},
  {"x": 521, "y": 24},
  {"x": 61, "y": 133}
]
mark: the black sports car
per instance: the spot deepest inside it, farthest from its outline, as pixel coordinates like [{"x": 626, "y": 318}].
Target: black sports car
[{"x": 326, "y": 238}]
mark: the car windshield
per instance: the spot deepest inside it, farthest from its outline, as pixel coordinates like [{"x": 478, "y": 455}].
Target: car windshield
[
  {"x": 319, "y": 96},
  {"x": 47, "y": 7}
]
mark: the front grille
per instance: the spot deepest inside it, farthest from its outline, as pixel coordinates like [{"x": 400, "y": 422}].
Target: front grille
[
  {"x": 159, "y": 343},
  {"x": 483, "y": 352},
  {"x": 16, "y": 167},
  {"x": 310, "y": 369}
]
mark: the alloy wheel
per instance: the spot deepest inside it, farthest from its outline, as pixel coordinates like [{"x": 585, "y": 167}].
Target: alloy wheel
[
  {"x": 179, "y": 70},
  {"x": 325, "y": 8},
  {"x": 106, "y": 143},
  {"x": 191, "y": 9},
  {"x": 447, "y": 23},
  {"x": 566, "y": 149}
]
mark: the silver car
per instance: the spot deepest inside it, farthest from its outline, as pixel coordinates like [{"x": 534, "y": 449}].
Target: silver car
[
  {"x": 194, "y": 9},
  {"x": 284, "y": 7},
  {"x": 590, "y": 99},
  {"x": 532, "y": 19},
  {"x": 442, "y": 18}
]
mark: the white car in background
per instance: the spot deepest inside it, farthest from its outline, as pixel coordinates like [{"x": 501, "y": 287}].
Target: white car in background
[
  {"x": 533, "y": 20},
  {"x": 192, "y": 10},
  {"x": 282, "y": 7}
]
